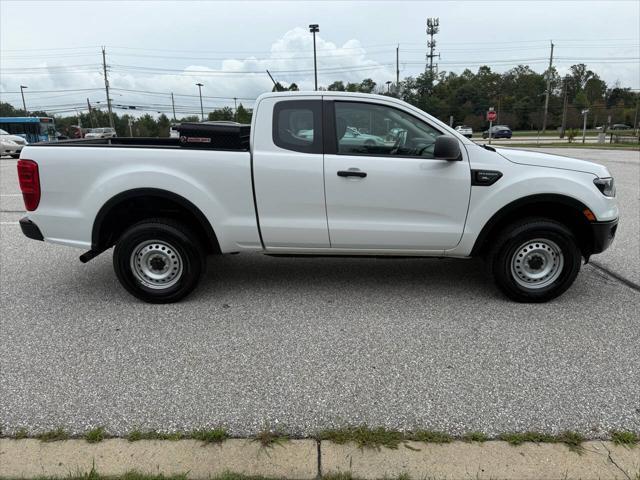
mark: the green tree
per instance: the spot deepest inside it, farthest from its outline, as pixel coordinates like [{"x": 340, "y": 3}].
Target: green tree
[
  {"x": 163, "y": 125},
  {"x": 224, "y": 113},
  {"x": 352, "y": 87},
  {"x": 243, "y": 115},
  {"x": 146, "y": 126},
  {"x": 337, "y": 86},
  {"x": 367, "y": 86}
]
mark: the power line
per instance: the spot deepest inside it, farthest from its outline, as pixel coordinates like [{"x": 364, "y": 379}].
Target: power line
[
  {"x": 178, "y": 94},
  {"x": 117, "y": 67},
  {"x": 56, "y": 91}
]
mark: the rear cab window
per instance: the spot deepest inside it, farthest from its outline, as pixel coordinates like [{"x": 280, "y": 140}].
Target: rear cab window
[{"x": 297, "y": 125}]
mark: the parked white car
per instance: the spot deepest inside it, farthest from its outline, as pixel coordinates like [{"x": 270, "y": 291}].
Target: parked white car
[
  {"x": 101, "y": 133},
  {"x": 11, "y": 144},
  {"x": 165, "y": 204},
  {"x": 465, "y": 130}
]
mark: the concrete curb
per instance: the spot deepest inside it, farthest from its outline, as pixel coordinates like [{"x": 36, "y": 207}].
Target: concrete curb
[
  {"x": 489, "y": 460},
  {"x": 298, "y": 459},
  {"x": 30, "y": 458}
]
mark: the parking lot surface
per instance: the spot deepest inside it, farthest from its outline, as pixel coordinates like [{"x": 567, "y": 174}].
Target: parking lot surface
[{"x": 306, "y": 344}]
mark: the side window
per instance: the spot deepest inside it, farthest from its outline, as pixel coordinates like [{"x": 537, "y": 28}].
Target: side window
[
  {"x": 297, "y": 125},
  {"x": 369, "y": 129}
]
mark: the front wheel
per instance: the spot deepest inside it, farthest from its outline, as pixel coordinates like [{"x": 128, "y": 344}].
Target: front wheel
[
  {"x": 159, "y": 261},
  {"x": 535, "y": 260}
]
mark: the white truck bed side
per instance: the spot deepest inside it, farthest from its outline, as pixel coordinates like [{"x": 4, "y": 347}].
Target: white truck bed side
[{"x": 77, "y": 182}]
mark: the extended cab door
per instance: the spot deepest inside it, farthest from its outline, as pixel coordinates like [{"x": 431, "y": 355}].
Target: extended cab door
[
  {"x": 384, "y": 189},
  {"x": 288, "y": 174}
]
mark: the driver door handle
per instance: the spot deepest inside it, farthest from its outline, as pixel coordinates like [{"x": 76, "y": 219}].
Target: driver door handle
[{"x": 351, "y": 173}]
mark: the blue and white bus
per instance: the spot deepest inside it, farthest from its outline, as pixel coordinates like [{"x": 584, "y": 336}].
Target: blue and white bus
[{"x": 34, "y": 129}]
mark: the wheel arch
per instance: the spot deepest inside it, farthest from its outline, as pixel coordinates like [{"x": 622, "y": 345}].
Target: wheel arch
[
  {"x": 562, "y": 208},
  {"x": 132, "y": 206}
]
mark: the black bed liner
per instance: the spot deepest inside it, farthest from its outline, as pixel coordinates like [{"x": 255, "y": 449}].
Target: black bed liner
[{"x": 204, "y": 136}]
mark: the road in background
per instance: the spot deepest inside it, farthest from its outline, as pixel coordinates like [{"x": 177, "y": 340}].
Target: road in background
[{"x": 305, "y": 344}]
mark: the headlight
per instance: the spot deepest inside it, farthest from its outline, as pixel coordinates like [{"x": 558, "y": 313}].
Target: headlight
[{"x": 606, "y": 186}]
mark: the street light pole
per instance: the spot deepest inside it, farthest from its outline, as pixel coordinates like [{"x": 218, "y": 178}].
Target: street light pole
[
  {"x": 314, "y": 28},
  {"x": 24, "y": 105},
  {"x": 200, "y": 85}
]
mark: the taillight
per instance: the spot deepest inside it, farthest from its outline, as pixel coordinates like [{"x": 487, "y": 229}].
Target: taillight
[{"x": 29, "y": 183}]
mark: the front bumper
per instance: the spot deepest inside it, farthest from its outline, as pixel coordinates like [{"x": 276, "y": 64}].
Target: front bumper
[
  {"x": 603, "y": 234},
  {"x": 30, "y": 229}
]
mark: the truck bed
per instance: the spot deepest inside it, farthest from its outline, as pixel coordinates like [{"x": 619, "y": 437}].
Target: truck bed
[
  {"x": 77, "y": 182},
  {"x": 225, "y": 136}
]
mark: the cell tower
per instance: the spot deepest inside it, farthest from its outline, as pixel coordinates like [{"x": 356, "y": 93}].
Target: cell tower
[{"x": 433, "y": 27}]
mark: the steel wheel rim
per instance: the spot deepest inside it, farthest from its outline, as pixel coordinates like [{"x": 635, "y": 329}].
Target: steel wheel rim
[
  {"x": 156, "y": 264},
  {"x": 537, "y": 263}
]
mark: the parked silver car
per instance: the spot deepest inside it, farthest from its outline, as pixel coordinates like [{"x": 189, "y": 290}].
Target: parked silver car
[
  {"x": 11, "y": 144},
  {"x": 101, "y": 133}
]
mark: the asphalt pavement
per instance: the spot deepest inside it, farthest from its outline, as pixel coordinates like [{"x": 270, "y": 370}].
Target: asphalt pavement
[{"x": 307, "y": 344}]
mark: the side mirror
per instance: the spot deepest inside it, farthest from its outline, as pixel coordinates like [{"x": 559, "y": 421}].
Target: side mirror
[{"x": 447, "y": 148}]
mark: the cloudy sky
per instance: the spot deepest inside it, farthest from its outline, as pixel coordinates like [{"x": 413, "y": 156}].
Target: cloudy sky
[{"x": 154, "y": 48}]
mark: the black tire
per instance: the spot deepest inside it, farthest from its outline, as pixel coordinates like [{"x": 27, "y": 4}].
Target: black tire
[
  {"x": 556, "y": 250},
  {"x": 178, "y": 254},
  {"x": 15, "y": 155}
]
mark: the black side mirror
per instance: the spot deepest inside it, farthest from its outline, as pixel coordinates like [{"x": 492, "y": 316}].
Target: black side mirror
[{"x": 447, "y": 148}]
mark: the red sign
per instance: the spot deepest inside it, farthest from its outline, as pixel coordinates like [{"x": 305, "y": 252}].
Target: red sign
[{"x": 491, "y": 116}]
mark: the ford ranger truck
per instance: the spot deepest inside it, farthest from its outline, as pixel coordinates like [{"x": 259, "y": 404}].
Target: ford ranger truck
[{"x": 293, "y": 183}]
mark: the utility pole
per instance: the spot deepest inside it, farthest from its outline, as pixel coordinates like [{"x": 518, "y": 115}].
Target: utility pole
[
  {"x": 173, "y": 106},
  {"x": 200, "y": 85},
  {"x": 24, "y": 105},
  {"x": 130, "y": 127},
  {"x": 398, "y": 69},
  {"x": 433, "y": 27},
  {"x": 235, "y": 109},
  {"x": 565, "y": 103},
  {"x": 106, "y": 86},
  {"x": 546, "y": 98},
  {"x": 314, "y": 28}
]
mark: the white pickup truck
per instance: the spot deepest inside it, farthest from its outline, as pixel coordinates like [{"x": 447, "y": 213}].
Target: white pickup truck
[{"x": 295, "y": 184}]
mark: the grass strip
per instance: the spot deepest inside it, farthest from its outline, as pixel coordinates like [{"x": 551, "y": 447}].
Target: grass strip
[
  {"x": 96, "y": 435},
  {"x": 215, "y": 435},
  {"x": 53, "y": 435},
  {"x": 620, "y": 437},
  {"x": 269, "y": 438},
  {"x": 363, "y": 436}
]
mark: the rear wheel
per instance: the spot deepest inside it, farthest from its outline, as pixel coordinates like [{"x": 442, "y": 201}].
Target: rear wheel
[
  {"x": 159, "y": 261},
  {"x": 534, "y": 260}
]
